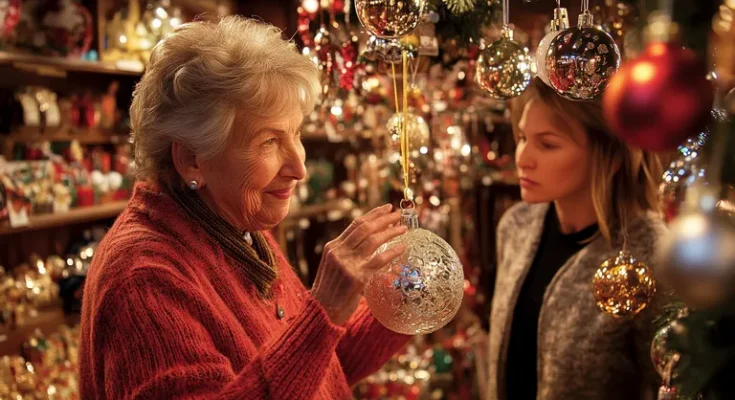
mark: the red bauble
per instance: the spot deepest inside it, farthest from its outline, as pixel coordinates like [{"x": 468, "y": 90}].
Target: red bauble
[{"x": 658, "y": 100}]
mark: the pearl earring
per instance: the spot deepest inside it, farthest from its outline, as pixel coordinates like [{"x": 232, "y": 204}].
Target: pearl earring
[{"x": 193, "y": 185}]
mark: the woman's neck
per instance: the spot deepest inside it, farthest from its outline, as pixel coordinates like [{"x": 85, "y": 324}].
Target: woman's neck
[{"x": 575, "y": 212}]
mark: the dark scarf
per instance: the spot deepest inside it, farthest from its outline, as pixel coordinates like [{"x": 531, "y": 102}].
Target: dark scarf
[{"x": 258, "y": 260}]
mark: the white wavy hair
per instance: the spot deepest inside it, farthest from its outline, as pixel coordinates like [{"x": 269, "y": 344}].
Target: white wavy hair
[{"x": 204, "y": 75}]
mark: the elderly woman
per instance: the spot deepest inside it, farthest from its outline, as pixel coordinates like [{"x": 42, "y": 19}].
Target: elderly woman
[{"x": 188, "y": 296}]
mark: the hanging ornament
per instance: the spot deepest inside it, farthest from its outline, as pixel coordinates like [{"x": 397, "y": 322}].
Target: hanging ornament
[
  {"x": 504, "y": 67},
  {"x": 688, "y": 170},
  {"x": 661, "y": 355},
  {"x": 581, "y": 60},
  {"x": 559, "y": 23},
  {"x": 416, "y": 128},
  {"x": 324, "y": 59},
  {"x": 623, "y": 286},
  {"x": 658, "y": 100},
  {"x": 386, "y": 50},
  {"x": 390, "y": 19},
  {"x": 697, "y": 258},
  {"x": 682, "y": 174},
  {"x": 460, "y": 6},
  {"x": 349, "y": 62},
  {"x": 420, "y": 291}
]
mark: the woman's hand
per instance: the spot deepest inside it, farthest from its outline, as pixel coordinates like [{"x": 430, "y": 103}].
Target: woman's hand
[{"x": 349, "y": 261}]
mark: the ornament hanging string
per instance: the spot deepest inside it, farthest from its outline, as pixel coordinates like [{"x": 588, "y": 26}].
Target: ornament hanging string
[
  {"x": 506, "y": 19},
  {"x": 667, "y": 8},
  {"x": 402, "y": 124},
  {"x": 404, "y": 129},
  {"x": 585, "y": 6}
]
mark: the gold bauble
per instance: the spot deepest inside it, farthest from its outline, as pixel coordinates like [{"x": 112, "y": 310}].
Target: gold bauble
[
  {"x": 623, "y": 286},
  {"x": 504, "y": 68},
  {"x": 417, "y": 129},
  {"x": 390, "y": 19}
]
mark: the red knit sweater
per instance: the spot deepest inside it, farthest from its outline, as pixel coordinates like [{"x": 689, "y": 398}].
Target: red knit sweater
[{"x": 167, "y": 314}]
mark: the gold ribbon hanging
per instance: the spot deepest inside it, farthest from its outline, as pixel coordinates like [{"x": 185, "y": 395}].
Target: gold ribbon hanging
[{"x": 403, "y": 124}]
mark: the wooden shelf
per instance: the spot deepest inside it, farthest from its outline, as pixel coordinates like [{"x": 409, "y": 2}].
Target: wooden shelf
[
  {"x": 83, "y": 136},
  {"x": 47, "y": 321},
  {"x": 74, "y": 216},
  {"x": 56, "y": 66}
]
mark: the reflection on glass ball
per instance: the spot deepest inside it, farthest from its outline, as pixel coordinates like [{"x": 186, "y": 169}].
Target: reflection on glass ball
[
  {"x": 420, "y": 291},
  {"x": 661, "y": 355},
  {"x": 504, "y": 68},
  {"x": 543, "y": 48},
  {"x": 417, "y": 130},
  {"x": 390, "y": 19},
  {"x": 581, "y": 60},
  {"x": 623, "y": 286}
]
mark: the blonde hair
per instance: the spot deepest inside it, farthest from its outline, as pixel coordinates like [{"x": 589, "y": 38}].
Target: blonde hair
[
  {"x": 204, "y": 75},
  {"x": 617, "y": 195}
]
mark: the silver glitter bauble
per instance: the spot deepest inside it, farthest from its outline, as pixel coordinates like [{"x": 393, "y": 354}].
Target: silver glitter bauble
[
  {"x": 420, "y": 291},
  {"x": 581, "y": 60},
  {"x": 504, "y": 68}
]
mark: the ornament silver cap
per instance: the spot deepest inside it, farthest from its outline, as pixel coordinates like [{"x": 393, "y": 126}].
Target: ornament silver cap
[
  {"x": 585, "y": 19},
  {"x": 507, "y": 33},
  {"x": 409, "y": 218},
  {"x": 561, "y": 19}
]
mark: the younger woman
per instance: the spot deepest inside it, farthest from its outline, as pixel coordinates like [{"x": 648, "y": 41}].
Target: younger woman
[{"x": 581, "y": 188}]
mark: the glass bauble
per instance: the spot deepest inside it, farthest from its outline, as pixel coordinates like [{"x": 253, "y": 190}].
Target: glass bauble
[
  {"x": 387, "y": 50},
  {"x": 543, "y": 48},
  {"x": 417, "y": 130},
  {"x": 659, "y": 99},
  {"x": 420, "y": 291},
  {"x": 504, "y": 68},
  {"x": 623, "y": 286},
  {"x": 559, "y": 23},
  {"x": 697, "y": 259},
  {"x": 581, "y": 60},
  {"x": 683, "y": 172},
  {"x": 390, "y": 19},
  {"x": 661, "y": 354}
]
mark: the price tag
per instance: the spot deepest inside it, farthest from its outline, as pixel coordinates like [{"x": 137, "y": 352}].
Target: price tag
[{"x": 428, "y": 43}]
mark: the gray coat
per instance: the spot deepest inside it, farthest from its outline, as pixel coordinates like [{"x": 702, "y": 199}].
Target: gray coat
[{"x": 582, "y": 353}]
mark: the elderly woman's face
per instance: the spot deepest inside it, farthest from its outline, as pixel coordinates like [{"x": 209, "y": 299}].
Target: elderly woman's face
[{"x": 252, "y": 182}]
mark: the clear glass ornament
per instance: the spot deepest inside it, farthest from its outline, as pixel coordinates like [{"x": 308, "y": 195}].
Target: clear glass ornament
[
  {"x": 420, "y": 291},
  {"x": 504, "y": 67},
  {"x": 390, "y": 19},
  {"x": 581, "y": 60}
]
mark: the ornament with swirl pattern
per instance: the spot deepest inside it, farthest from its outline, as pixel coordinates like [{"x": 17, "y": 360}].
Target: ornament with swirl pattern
[
  {"x": 581, "y": 60},
  {"x": 390, "y": 19},
  {"x": 504, "y": 67},
  {"x": 420, "y": 291}
]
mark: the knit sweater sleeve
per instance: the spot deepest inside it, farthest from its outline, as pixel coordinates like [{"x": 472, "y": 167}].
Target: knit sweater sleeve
[
  {"x": 151, "y": 340},
  {"x": 366, "y": 345}
]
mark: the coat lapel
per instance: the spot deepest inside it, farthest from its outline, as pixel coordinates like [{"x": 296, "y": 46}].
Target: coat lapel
[{"x": 519, "y": 250}]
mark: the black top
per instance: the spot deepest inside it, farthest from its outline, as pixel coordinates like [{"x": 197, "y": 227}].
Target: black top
[{"x": 554, "y": 249}]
